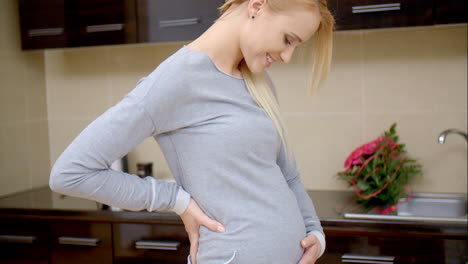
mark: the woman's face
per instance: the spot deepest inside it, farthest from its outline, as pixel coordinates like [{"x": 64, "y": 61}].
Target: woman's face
[{"x": 273, "y": 36}]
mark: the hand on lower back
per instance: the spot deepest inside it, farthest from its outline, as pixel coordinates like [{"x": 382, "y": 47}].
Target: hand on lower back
[{"x": 193, "y": 218}]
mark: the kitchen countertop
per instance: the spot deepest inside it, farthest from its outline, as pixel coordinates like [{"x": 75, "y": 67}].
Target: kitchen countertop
[{"x": 42, "y": 203}]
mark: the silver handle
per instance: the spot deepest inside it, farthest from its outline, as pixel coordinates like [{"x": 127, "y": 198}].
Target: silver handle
[
  {"x": 353, "y": 258},
  {"x": 78, "y": 241},
  {"x": 45, "y": 32},
  {"x": 179, "y": 22},
  {"x": 376, "y": 8},
  {"x": 104, "y": 28},
  {"x": 159, "y": 245},
  {"x": 17, "y": 239}
]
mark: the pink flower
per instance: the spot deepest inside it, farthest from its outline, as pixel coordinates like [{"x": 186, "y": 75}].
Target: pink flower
[{"x": 366, "y": 149}]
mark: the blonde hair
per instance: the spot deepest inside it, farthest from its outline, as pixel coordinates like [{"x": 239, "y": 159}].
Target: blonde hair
[{"x": 322, "y": 43}]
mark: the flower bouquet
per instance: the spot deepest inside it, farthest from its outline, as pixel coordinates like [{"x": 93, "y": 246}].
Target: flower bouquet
[{"x": 379, "y": 172}]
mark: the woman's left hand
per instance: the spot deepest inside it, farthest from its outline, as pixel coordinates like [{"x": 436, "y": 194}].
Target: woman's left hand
[{"x": 312, "y": 249}]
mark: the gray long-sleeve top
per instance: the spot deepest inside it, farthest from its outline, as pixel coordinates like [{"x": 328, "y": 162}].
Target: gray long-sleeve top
[{"x": 222, "y": 149}]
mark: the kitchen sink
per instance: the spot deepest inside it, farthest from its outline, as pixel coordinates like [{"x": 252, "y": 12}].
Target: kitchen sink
[{"x": 425, "y": 207}]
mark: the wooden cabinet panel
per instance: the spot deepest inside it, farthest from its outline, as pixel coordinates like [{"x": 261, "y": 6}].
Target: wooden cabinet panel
[
  {"x": 175, "y": 20},
  {"x": 24, "y": 241},
  {"x": 101, "y": 22},
  {"x": 81, "y": 242},
  {"x": 451, "y": 11},
  {"x": 402, "y": 249},
  {"x": 145, "y": 243},
  {"x": 362, "y": 14},
  {"x": 42, "y": 24},
  {"x": 72, "y": 23}
]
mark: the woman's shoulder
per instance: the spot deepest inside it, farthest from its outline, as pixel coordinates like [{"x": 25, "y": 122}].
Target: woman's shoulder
[
  {"x": 172, "y": 78},
  {"x": 182, "y": 64}
]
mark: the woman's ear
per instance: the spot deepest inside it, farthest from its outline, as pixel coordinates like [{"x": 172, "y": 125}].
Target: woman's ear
[{"x": 255, "y": 7}]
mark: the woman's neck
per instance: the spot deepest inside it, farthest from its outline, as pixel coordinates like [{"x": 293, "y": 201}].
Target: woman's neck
[{"x": 221, "y": 43}]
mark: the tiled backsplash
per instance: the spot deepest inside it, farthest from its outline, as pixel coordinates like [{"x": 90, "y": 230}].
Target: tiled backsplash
[{"x": 416, "y": 77}]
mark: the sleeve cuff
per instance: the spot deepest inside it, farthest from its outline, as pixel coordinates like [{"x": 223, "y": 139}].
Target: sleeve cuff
[
  {"x": 321, "y": 239},
  {"x": 182, "y": 201}
]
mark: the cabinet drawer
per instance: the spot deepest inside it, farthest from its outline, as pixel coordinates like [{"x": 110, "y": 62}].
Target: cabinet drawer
[
  {"x": 154, "y": 243},
  {"x": 23, "y": 241},
  {"x": 394, "y": 248},
  {"x": 81, "y": 242},
  {"x": 175, "y": 20},
  {"x": 361, "y": 14}
]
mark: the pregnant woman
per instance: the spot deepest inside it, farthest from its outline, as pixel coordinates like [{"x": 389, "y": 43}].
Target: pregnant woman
[{"x": 214, "y": 113}]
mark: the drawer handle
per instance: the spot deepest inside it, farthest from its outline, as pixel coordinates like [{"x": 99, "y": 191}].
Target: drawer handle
[
  {"x": 104, "y": 28},
  {"x": 39, "y": 32},
  {"x": 158, "y": 245},
  {"x": 178, "y": 22},
  {"x": 376, "y": 8},
  {"x": 353, "y": 258},
  {"x": 17, "y": 239},
  {"x": 78, "y": 241}
]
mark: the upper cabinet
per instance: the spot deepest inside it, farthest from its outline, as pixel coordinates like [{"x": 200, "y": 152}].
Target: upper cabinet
[
  {"x": 72, "y": 23},
  {"x": 175, "y": 20},
  {"x": 450, "y": 11},
  {"x": 363, "y": 14},
  {"x": 100, "y": 22},
  {"x": 42, "y": 24},
  {"x": 366, "y": 14}
]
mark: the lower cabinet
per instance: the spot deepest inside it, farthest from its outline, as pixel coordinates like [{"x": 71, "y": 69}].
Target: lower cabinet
[
  {"x": 150, "y": 243},
  {"x": 40, "y": 241},
  {"x": 24, "y": 242},
  {"x": 81, "y": 242},
  {"x": 392, "y": 248}
]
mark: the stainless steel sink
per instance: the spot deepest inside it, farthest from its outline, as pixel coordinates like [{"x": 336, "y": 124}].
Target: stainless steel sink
[{"x": 425, "y": 207}]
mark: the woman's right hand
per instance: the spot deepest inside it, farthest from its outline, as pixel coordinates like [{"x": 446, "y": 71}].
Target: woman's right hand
[{"x": 193, "y": 218}]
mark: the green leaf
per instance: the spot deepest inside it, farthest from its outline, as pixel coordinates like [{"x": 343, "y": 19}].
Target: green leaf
[{"x": 363, "y": 185}]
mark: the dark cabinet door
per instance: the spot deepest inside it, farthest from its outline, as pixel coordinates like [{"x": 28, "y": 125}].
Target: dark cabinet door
[
  {"x": 363, "y": 14},
  {"x": 451, "y": 11},
  {"x": 81, "y": 242},
  {"x": 175, "y": 20},
  {"x": 73, "y": 23},
  {"x": 147, "y": 243},
  {"x": 24, "y": 242},
  {"x": 42, "y": 24},
  {"x": 392, "y": 248},
  {"x": 101, "y": 22}
]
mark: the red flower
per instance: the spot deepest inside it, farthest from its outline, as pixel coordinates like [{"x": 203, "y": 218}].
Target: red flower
[{"x": 366, "y": 149}]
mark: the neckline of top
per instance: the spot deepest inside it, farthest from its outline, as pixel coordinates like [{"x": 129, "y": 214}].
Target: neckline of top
[{"x": 212, "y": 62}]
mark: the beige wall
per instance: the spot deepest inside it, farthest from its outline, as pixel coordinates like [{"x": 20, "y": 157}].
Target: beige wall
[
  {"x": 413, "y": 76},
  {"x": 24, "y": 141}
]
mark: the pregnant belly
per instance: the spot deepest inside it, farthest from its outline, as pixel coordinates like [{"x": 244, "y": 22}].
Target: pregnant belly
[{"x": 263, "y": 235}]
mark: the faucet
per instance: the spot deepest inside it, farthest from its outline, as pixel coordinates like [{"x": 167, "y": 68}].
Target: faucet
[{"x": 450, "y": 131}]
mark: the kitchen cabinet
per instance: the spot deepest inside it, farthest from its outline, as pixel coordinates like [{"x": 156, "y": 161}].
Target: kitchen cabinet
[
  {"x": 42, "y": 24},
  {"x": 450, "y": 11},
  {"x": 365, "y": 14},
  {"x": 80, "y": 242},
  {"x": 175, "y": 20},
  {"x": 73, "y": 23},
  {"x": 146, "y": 243},
  {"x": 24, "y": 242},
  {"x": 101, "y": 22},
  {"x": 48, "y": 232},
  {"x": 398, "y": 248}
]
